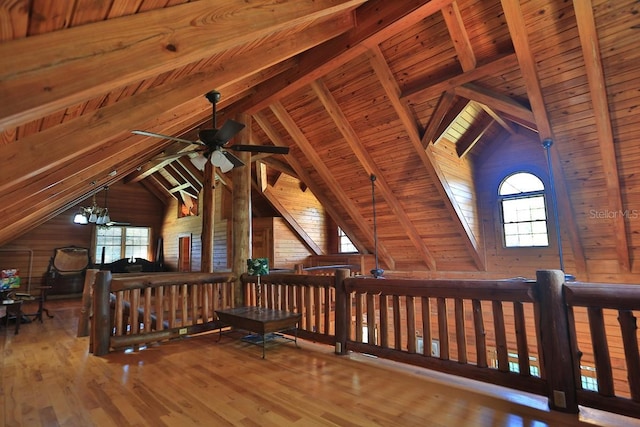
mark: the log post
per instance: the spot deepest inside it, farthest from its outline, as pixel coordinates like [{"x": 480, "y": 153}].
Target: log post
[
  {"x": 553, "y": 329},
  {"x": 241, "y": 212},
  {"x": 101, "y": 325},
  {"x": 207, "y": 214},
  {"x": 342, "y": 322}
]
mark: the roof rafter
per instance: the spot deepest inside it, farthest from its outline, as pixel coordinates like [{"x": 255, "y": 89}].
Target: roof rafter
[
  {"x": 595, "y": 76},
  {"x": 526, "y": 60},
  {"x": 325, "y": 174},
  {"x": 367, "y": 162},
  {"x": 426, "y": 156},
  {"x": 305, "y": 178}
]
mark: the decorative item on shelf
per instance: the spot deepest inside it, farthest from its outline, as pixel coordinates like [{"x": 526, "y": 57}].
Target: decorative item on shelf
[
  {"x": 258, "y": 267},
  {"x": 94, "y": 214}
]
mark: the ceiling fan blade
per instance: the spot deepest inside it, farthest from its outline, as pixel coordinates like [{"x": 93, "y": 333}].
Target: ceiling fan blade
[
  {"x": 273, "y": 149},
  {"x": 233, "y": 159},
  {"x": 159, "y": 135}
]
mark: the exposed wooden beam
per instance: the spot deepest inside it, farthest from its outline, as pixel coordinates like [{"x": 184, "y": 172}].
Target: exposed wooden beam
[
  {"x": 459, "y": 36},
  {"x": 449, "y": 119},
  {"x": 290, "y": 220},
  {"x": 305, "y": 178},
  {"x": 597, "y": 89},
  {"x": 333, "y": 109},
  {"x": 325, "y": 174},
  {"x": 444, "y": 105},
  {"x": 473, "y": 135},
  {"x": 73, "y": 147},
  {"x": 428, "y": 88},
  {"x": 426, "y": 156},
  {"x": 498, "y": 118},
  {"x": 517, "y": 29},
  {"x": 377, "y": 20},
  {"x": 42, "y": 76},
  {"x": 280, "y": 166},
  {"x": 498, "y": 101}
]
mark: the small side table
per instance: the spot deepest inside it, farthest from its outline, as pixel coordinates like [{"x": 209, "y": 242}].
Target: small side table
[{"x": 14, "y": 308}]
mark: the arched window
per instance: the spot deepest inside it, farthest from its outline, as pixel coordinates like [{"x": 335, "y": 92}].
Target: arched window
[{"x": 524, "y": 213}]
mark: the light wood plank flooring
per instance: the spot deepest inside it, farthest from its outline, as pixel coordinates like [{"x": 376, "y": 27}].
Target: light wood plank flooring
[{"x": 48, "y": 378}]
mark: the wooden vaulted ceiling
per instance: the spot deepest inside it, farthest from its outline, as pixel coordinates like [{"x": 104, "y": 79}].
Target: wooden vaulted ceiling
[{"x": 354, "y": 88}]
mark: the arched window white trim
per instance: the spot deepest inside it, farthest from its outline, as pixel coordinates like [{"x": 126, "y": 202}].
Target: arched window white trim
[{"x": 523, "y": 210}]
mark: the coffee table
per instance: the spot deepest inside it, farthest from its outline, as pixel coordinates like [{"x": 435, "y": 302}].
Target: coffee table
[{"x": 261, "y": 321}]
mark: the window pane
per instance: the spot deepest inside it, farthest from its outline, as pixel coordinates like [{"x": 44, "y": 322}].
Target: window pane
[
  {"x": 521, "y": 182},
  {"x": 524, "y": 215}
]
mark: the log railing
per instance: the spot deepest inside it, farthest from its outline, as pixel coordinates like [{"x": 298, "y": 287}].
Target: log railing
[
  {"x": 604, "y": 335},
  {"x": 526, "y": 335},
  {"x": 135, "y": 309},
  {"x": 544, "y": 336}
]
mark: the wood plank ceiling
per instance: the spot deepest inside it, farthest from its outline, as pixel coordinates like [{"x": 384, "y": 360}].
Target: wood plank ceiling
[{"x": 353, "y": 87}]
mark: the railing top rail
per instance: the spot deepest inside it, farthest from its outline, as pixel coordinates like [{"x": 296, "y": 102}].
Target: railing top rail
[
  {"x": 292, "y": 279},
  {"x": 499, "y": 290},
  {"x": 137, "y": 281},
  {"x": 602, "y": 295}
]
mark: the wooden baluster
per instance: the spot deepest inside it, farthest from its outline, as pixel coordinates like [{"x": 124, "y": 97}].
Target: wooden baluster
[
  {"x": 317, "y": 299},
  {"x": 327, "y": 310},
  {"x": 461, "y": 339},
  {"x": 173, "y": 289},
  {"x": 601, "y": 351},
  {"x": 301, "y": 307},
  {"x": 147, "y": 310},
  {"x": 371, "y": 319},
  {"x": 119, "y": 311},
  {"x": 358, "y": 313},
  {"x": 205, "y": 300},
  {"x": 308, "y": 303},
  {"x": 134, "y": 314},
  {"x": 521, "y": 339},
  {"x": 384, "y": 321},
  {"x": 411, "y": 324},
  {"x": 443, "y": 328},
  {"x": 195, "y": 292},
  {"x": 397, "y": 329},
  {"x": 481, "y": 334},
  {"x": 159, "y": 308},
  {"x": 426, "y": 326},
  {"x": 628, "y": 328},
  {"x": 501, "y": 336}
]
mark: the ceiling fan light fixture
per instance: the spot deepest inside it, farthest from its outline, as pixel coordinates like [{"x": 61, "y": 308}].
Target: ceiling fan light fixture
[
  {"x": 220, "y": 160},
  {"x": 198, "y": 161}
]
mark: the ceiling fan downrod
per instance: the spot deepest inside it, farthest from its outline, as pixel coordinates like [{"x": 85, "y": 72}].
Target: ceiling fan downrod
[{"x": 213, "y": 97}]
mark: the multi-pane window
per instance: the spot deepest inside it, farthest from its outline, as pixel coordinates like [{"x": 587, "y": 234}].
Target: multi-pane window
[
  {"x": 524, "y": 213},
  {"x": 345, "y": 245},
  {"x": 122, "y": 242}
]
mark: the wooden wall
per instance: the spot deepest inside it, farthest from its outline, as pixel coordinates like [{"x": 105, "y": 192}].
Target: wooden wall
[{"x": 130, "y": 203}]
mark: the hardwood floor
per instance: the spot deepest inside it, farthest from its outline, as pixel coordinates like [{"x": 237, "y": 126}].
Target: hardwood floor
[{"x": 48, "y": 378}]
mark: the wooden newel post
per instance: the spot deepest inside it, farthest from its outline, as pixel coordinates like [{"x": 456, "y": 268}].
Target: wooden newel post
[
  {"x": 555, "y": 340},
  {"x": 342, "y": 320},
  {"x": 101, "y": 326}
]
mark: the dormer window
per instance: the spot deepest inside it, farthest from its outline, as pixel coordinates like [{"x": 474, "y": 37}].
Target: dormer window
[{"x": 524, "y": 213}]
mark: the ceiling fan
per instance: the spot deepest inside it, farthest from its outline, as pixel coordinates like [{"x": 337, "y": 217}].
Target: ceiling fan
[{"x": 212, "y": 143}]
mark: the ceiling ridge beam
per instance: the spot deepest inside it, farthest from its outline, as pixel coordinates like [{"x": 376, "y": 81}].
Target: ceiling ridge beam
[
  {"x": 35, "y": 85},
  {"x": 390, "y": 86},
  {"x": 366, "y": 161}
]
